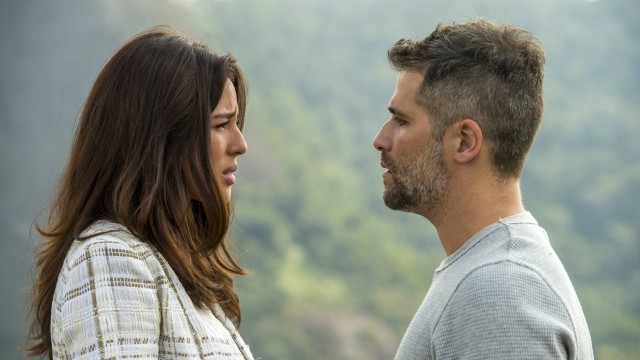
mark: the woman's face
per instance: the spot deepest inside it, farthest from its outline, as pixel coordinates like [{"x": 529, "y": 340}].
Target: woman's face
[{"x": 227, "y": 142}]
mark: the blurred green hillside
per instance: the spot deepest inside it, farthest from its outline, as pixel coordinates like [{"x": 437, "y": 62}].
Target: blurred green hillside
[{"x": 335, "y": 274}]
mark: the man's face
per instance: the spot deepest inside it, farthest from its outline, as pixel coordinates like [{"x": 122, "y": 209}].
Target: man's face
[{"x": 415, "y": 178}]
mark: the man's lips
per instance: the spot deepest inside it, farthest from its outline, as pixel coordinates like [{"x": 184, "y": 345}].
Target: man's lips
[{"x": 387, "y": 171}]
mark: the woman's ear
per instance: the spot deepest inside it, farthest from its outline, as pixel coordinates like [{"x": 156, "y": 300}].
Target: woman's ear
[{"x": 468, "y": 140}]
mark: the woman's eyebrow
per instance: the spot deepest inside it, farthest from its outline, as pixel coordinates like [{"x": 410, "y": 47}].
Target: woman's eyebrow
[{"x": 228, "y": 115}]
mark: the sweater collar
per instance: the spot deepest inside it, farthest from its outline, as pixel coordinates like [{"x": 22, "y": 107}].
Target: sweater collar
[{"x": 520, "y": 218}]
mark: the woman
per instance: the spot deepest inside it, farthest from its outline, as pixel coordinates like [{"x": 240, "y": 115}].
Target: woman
[{"x": 134, "y": 262}]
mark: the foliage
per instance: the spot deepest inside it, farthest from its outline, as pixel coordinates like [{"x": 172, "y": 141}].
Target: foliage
[{"x": 336, "y": 275}]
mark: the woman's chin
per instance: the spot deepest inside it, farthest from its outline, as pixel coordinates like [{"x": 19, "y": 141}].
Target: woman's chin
[{"x": 227, "y": 195}]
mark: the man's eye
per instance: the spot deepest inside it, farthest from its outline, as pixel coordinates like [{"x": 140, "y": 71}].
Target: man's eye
[{"x": 399, "y": 121}]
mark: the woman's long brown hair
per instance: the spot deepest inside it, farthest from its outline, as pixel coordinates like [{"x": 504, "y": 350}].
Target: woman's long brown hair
[{"x": 143, "y": 131}]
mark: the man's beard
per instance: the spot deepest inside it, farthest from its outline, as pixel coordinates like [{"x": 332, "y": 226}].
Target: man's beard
[{"x": 418, "y": 184}]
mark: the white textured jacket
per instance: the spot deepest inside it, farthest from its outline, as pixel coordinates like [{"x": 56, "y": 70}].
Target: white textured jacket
[{"x": 118, "y": 298}]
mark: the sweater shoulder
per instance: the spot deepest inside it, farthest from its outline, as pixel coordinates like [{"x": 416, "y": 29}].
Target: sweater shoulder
[
  {"x": 506, "y": 294},
  {"x": 505, "y": 308},
  {"x": 505, "y": 276}
]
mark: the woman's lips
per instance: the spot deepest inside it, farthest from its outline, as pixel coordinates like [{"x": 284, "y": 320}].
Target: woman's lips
[{"x": 228, "y": 176}]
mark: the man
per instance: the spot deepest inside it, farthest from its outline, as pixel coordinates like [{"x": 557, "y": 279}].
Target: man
[{"x": 467, "y": 105}]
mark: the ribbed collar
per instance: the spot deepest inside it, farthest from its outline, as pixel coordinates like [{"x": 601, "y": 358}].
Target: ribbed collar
[{"x": 521, "y": 218}]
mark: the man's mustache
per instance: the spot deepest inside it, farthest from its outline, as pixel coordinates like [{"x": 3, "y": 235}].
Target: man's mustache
[{"x": 386, "y": 161}]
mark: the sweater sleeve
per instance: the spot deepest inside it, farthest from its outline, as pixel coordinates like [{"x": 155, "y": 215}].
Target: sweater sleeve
[
  {"x": 504, "y": 311},
  {"x": 106, "y": 305}
]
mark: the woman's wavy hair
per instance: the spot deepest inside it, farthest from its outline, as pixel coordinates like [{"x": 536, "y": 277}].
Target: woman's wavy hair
[{"x": 143, "y": 132}]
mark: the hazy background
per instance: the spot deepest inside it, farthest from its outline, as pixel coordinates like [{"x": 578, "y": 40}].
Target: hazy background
[{"x": 336, "y": 275}]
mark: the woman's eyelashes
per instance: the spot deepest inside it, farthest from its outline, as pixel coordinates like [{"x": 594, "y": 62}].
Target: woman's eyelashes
[
  {"x": 221, "y": 126},
  {"x": 225, "y": 124}
]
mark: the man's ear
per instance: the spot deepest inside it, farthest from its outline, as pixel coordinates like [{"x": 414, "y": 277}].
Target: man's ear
[{"x": 468, "y": 140}]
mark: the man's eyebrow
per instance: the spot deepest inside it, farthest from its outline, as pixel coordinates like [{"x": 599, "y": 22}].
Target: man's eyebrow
[
  {"x": 395, "y": 111},
  {"x": 227, "y": 115}
]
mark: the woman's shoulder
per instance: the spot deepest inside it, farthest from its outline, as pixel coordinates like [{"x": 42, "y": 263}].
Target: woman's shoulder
[
  {"x": 103, "y": 240},
  {"x": 104, "y": 256}
]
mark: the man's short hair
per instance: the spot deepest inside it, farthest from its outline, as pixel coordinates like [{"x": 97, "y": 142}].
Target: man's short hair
[{"x": 491, "y": 73}]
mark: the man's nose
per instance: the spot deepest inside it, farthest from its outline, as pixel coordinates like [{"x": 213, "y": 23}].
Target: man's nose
[{"x": 382, "y": 141}]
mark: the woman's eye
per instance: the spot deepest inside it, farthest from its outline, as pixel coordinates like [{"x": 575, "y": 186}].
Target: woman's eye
[{"x": 221, "y": 126}]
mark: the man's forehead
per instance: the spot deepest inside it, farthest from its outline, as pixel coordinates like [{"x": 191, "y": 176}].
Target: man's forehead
[
  {"x": 411, "y": 77},
  {"x": 407, "y": 86}
]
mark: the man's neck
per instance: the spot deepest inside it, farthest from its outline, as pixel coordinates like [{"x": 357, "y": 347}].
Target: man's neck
[{"x": 467, "y": 212}]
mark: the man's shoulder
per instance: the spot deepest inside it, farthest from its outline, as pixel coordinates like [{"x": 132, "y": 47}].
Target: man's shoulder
[
  {"x": 503, "y": 276},
  {"x": 505, "y": 291},
  {"x": 504, "y": 308}
]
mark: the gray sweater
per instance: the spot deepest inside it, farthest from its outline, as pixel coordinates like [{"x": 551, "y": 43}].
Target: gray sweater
[{"x": 503, "y": 295}]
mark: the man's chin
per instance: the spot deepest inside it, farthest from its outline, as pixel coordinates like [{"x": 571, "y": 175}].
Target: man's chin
[{"x": 395, "y": 201}]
